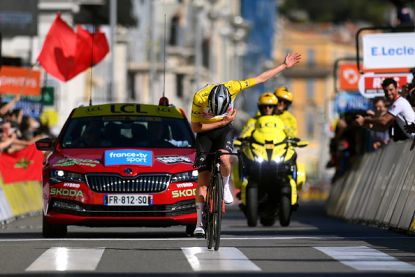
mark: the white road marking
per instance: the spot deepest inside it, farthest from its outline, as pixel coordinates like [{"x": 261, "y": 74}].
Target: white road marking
[
  {"x": 225, "y": 259},
  {"x": 67, "y": 259},
  {"x": 366, "y": 258}
]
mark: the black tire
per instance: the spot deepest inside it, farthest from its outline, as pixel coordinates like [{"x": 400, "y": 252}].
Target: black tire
[
  {"x": 252, "y": 206},
  {"x": 190, "y": 228},
  {"x": 285, "y": 210},
  {"x": 217, "y": 211},
  {"x": 50, "y": 230},
  {"x": 209, "y": 217},
  {"x": 267, "y": 221}
]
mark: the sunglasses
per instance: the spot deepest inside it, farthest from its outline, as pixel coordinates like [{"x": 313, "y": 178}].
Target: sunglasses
[
  {"x": 283, "y": 101},
  {"x": 267, "y": 106}
]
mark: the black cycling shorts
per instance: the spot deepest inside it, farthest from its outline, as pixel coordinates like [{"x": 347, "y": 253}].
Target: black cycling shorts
[{"x": 212, "y": 141}]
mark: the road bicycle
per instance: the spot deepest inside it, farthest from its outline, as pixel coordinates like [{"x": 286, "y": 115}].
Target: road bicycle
[{"x": 214, "y": 204}]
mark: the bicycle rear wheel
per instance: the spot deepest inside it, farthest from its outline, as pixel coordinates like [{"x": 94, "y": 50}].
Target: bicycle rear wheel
[{"x": 217, "y": 210}]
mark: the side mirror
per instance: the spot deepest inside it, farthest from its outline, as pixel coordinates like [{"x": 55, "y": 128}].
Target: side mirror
[
  {"x": 302, "y": 143},
  {"x": 45, "y": 144}
]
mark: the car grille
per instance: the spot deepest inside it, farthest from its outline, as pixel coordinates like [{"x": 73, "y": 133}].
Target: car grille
[
  {"x": 166, "y": 210},
  {"x": 116, "y": 183}
]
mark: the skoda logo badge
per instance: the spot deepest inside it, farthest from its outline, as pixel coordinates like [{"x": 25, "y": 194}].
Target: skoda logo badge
[{"x": 128, "y": 171}]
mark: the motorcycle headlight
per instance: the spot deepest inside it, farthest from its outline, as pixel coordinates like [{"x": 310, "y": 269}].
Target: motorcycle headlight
[
  {"x": 278, "y": 159},
  {"x": 259, "y": 159},
  {"x": 57, "y": 176},
  {"x": 188, "y": 176}
]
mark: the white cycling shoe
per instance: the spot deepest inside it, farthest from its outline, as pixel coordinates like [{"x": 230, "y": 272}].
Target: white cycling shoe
[
  {"x": 227, "y": 195},
  {"x": 199, "y": 232}
]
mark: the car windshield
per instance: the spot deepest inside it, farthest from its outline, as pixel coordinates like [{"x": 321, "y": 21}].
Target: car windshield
[{"x": 131, "y": 131}]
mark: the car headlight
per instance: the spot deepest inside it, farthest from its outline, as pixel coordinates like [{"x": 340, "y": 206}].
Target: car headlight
[
  {"x": 188, "y": 176},
  {"x": 57, "y": 176}
]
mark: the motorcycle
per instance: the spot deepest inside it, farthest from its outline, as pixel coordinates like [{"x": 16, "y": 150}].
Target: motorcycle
[{"x": 268, "y": 174}]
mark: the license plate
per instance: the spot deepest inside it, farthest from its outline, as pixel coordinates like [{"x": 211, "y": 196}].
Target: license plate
[{"x": 128, "y": 200}]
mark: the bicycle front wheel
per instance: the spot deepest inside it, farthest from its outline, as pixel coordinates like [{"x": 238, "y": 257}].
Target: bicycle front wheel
[
  {"x": 217, "y": 210},
  {"x": 209, "y": 217}
]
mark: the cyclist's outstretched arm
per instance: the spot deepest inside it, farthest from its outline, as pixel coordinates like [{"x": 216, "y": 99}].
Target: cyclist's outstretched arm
[{"x": 290, "y": 60}]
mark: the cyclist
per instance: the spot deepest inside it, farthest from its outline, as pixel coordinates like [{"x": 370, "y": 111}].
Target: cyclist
[
  {"x": 211, "y": 117},
  {"x": 285, "y": 99},
  {"x": 267, "y": 104}
]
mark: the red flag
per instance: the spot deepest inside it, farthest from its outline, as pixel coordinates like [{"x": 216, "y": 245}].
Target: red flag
[
  {"x": 59, "y": 49},
  {"x": 65, "y": 53},
  {"x": 24, "y": 165},
  {"x": 93, "y": 47}
]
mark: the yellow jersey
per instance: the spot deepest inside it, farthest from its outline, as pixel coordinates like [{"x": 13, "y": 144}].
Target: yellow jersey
[
  {"x": 200, "y": 108},
  {"x": 290, "y": 123}
]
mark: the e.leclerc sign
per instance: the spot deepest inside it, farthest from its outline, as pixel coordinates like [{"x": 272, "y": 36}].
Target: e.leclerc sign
[{"x": 390, "y": 50}]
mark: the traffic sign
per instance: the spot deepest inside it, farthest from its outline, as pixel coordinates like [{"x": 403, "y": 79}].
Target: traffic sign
[{"x": 48, "y": 96}]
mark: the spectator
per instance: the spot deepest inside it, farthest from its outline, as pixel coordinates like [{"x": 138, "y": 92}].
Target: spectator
[
  {"x": 399, "y": 111},
  {"x": 7, "y": 106},
  {"x": 6, "y": 138},
  {"x": 378, "y": 138}
]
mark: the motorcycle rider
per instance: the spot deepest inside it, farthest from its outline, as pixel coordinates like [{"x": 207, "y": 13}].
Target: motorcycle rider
[
  {"x": 285, "y": 99},
  {"x": 267, "y": 105}
]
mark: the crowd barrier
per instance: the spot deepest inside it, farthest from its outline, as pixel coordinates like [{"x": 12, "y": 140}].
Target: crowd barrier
[
  {"x": 20, "y": 183},
  {"x": 379, "y": 189}
]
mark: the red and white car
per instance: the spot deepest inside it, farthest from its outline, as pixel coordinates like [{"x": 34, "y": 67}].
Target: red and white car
[{"x": 120, "y": 165}]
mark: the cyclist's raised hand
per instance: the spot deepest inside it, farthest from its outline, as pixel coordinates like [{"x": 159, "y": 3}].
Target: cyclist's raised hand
[
  {"x": 230, "y": 117},
  {"x": 292, "y": 59}
]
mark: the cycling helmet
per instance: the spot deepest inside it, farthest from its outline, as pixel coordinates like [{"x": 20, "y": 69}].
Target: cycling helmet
[
  {"x": 267, "y": 98},
  {"x": 219, "y": 100},
  {"x": 283, "y": 93}
]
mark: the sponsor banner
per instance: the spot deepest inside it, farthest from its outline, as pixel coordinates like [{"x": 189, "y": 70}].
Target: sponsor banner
[
  {"x": 183, "y": 193},
  {"x": 30, "y": 105},
  {"x": 127, "y": 110},
  {"x": 18, "y": 80},
  {"x": 370, "y": 85},
  {"x": 389, "y": 50},
  {"x": 128, "y": 157},
  {"x": 72, "y": 161},
  {"x": 351, "y": 102},
  {"x": 174, "y": 159},
  {"x": 348, "y": 77},
  {"x": 24, "y": 165}
]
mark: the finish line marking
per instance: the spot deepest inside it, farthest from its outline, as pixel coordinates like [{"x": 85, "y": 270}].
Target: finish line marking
[
  {"x": 67, "y": 259},
  {"x": 366, "y": 258},
  {"x": 222, "y": 238},
  {"x": 225, "y": 259}
]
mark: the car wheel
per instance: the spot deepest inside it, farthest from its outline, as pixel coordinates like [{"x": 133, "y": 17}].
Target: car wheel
[{"x": 50, "y": 230}]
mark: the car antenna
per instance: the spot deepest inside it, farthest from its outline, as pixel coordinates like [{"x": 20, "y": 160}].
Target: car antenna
[
  {"x": 164, "y": 101},
  {"x": 92, "y": 65}
]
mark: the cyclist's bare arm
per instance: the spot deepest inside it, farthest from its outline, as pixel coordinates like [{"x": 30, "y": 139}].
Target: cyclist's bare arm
[
  {"x": 199, "y": 127},
  {"x": 289, "y": 61}
]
